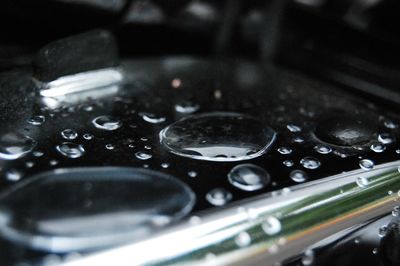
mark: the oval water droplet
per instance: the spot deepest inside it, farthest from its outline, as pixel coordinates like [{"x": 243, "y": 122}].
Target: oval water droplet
[
  {"x": 106, "y": 122},
  {"x": 69, "y": 134},
  {"x": 293, "y": 128},
  {"x": 152, "y": 118},
  {"x": 366, "y": 164},
  {"x": 141, "y": 155},
  {"x": 243, "y": 239},
  {"x": 288, "y": 163},
  {"x": 362, "y": 181},
  {"x": 36, "y": 120},
  {"x": 248, "y": 177},
  {"x": 385, "y": 138},
  {"x": 390, "y": 124},
  {"x": 88, "y": 136},
  {"x": 102, "y": 210},
  {"x": 285, "y": 150},
  {"x": 110, "y": 146},
  {"x": 298, "y": 176},
  {"x": 13, "y": 175},
  {"x": 15, "y": 145},
  {"x": 218, "y": 196},
  {"x": 323, "y": 149},
  {"x": 308, "y": 257},
  {"x": 271, "y": 226},
  {"x": 218, "y": 136},
  {"x": 71, "y": 150},
  {"x": 192, "y": 174},
  {"x": 310, "y": 162},
  {"x": 186, "y": 107},
  {"x": 378, "y": 147}
]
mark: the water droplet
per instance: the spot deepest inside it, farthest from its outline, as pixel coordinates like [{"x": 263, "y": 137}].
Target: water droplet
[
  {"x": 88, "y": 136},
  {"x": 165, "y": 165},
  {"x": 375, "y": 251},
  {"x": 71, "y": 150},
  {"x": 284, "y": 150},
  {"x": 69, "y": 134},
  {"x": 186, "y": 107},
  {"x": 110, "y": 146},
  {"x": 308, "y": 257},
  {"x": 53, "y": 162},
  {"x": 293, "y": 128},
  {"x": 385, "y": 138},
  {"x": 366, "y": 164},
  {"x": 36, "y": 120},
  {"x": 15, "y": 145},
  {"x": 152, "y": 118},
  {"x": 148, "y": 147},
  {"x": 323, "y": 149},
  {"x": 13, "y": 175},
  {"x": 383, "y": 231},
  {"x": 356, "y": 241},
  {"x": 29, "y": 164},
  {"x": 298, "y": 176},
  {"x": 37, "y": 153},
  {"x": 192, "y": 174},
  {"x": 248, "y": 177},
  {"x": 310, "y": 163},
  {"x": 131, "y": 145},
  {"x": 218, "y": 196},
  {"x": 271, "y": 225},
  {"x": 218, "y": 136},
  {"x": 106, "y": 122},
  {"x": 298, "y": 139},
  {"x": 288, "y": 163},
  {"x": 390, "y": 124},
  {"x": 141, "y": 155},
  {"x": 396, "y": 211},
  {"x": 243, "y": 239},
  {"x": 398, "y": 151},
  {"x": 378, "y": 147},
  {"x": 106, "y": 215},
  {"x": 362, "y": 181}
]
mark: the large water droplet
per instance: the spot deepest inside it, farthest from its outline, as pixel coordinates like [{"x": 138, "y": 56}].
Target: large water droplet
[
  {"x": 218, "y": 136},
  {"x": 69, "y": 134},
  {"x": 106, "y": 122},
  {"x": 36, "y": 120},
  {"x": 248, "y": 177},
  {"x": 152, "y": 118},
  {"x": 15, "y": 145},
  {"x": 298, "y": 176},
  {"x": 218, "y": 196},
  {"x": 71, "y": 150},
  {"x": 366, "y": 164},
  {"x": 310, "y": 162},
  {"x": 87, "y": 208}
]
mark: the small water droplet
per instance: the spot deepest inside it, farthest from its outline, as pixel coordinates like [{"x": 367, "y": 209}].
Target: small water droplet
[
  {"x": 218, "y": 196},
  {"x": 271, "y": 225},
  {"x": 293, "y": 128},
  {"x": 176, "y": 83},
  {"x": 284, "y": 150},
  {"x": 110, "y": 146},
  {"x": 375, "y": 251},
  {"x": 37, "y": 153},
  {"x": 13, "y": 175},
  {"x": 69, "y": 134},
  {"x": 298, "y": 139},
  {"x": 378, "y": 147},
  {"x": 15, "y": 145},
  {"x": 288, "y": 163},
  {"x": 243, "y": 239},
  {"x": 29, "y": 164},
  {"x": 310, "y": 162},
  {"x": 192, "y": 174},
  {"x": 106, "y": 122},
  {"x": 217, "y": 94},
  {"x": 71, "y": 150},
  {"x": 323, "y": 149},
  {"x": 36, "y": 120},
  {"x": 385, "y": 138},
  {"x": 362, "y": 181},
  {"x": 186, "y": 107},
  {"x": 390, "y": 124},
  {"x": 88, "y": 136},
  {"x": 366, "y": 164},
  {"x": 356, "y": 241},
  {"x": 308, "y": 257},
  {"x": 165, "y": 165},
  {"x": 131, "y": 145},
  {"x": 152, "y": 118},
  {"x": 248, "y": 177},
  {"x": 298, "y": 176},
  {"x": 53, "y": 162},
  {"x": 396, "y": 211},
  {"x": 148, "y": 147},
  {"x": 141, "y": 155},
  {"x": 398, "y": 151},
  {"x": 383, "y": 231}
]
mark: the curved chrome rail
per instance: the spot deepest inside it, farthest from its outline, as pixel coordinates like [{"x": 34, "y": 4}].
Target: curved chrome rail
[{"x": 268, "y": 229}]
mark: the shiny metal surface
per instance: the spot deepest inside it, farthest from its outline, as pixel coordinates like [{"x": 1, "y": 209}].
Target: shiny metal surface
[{"x": 269, "y": 229}]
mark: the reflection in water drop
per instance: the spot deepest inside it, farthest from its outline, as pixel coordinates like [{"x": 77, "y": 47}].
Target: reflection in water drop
[
  {"x": 271, "y": 226},
  {"x": 284, "y": 150},
  {"x": 106, "y": 122},
  {"x": 218, "y": 136},
  {"x": 323, "y": 149},
  {"x": 366, "y": 164},
  {"x": 218, "y": 196},
  {"x": 186, "y": 107},
  {"x": 141, "y": 155},
  {"x": 71, "y": 150},
  {"x": 152, "y": 118},
  {"x": 88, "y": 136},
  {"x": 298, "y": 176},
  {"x": 378, "y": 147},
  {"x": 36, "y": 120},
  {"x": 310, "y": 162},
  {"x": 288, "y": 163},
  {"x": 109, "y": 206},
  {"x": 15, "y": 145},
  {"x": 248, "y": 177},
  {"x": 69, "y": 134}
]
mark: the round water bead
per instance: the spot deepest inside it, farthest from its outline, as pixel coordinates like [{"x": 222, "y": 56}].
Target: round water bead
[{"x": 248, "y": 177}]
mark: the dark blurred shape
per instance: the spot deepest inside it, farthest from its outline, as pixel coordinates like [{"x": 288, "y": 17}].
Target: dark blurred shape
[{"x": 389, "y": 248}]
